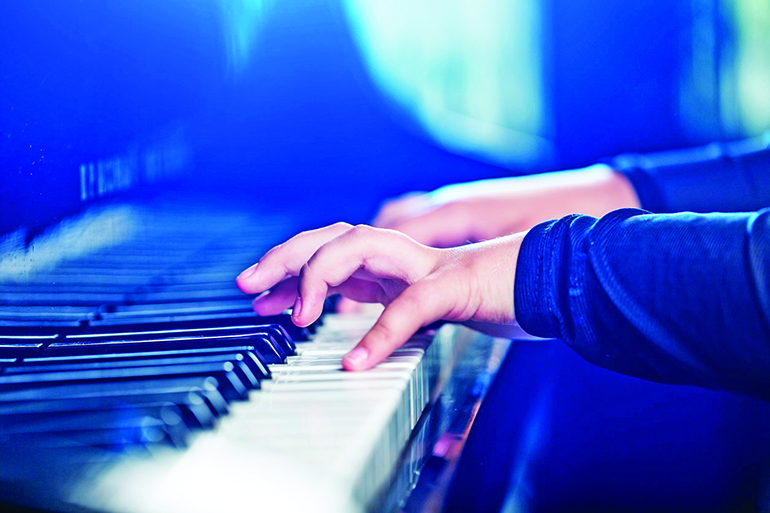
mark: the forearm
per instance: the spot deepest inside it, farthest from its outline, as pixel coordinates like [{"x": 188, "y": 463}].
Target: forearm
[{"x": 672, "y": 298}]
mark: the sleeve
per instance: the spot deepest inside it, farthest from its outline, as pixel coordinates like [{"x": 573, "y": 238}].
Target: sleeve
[
  {"x": 675, "y": 298},
  {"x": 719, "y": 177}
]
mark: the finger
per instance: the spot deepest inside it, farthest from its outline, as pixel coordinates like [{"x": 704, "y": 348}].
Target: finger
[
  {"x": 401, "y": 207},
  {"x": 376, "y": 252},
  {"x": 360, "y": 291},
  {"x": 277, "y": 299},
  {"x": 445, "y": 226},
  {"x": 418, "y": 306},
  {"x": 287, "y": 259},
  {"x": 284, "y": 295}
]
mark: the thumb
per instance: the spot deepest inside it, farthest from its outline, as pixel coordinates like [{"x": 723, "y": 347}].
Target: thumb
[{"x": 419, "y": 305}]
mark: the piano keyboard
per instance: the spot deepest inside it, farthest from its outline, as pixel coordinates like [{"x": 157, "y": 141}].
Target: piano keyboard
[{"x": 134, "y": 376}]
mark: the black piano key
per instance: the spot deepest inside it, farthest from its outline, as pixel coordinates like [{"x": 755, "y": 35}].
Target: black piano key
[
  {"x": 104, "y": 344},
  {"x": 34, "y": 326},
  {"x": 196, "y": 412},
  {"x": 195, "y": 278},
  {"x": 149, "y": 390},
  {"x": 277, "y": 335},
  {"x": 114, "y": 287},
  {"x": 281, "y": 336},
  {"x": 61, "y": 299},
  {"x": 91, "y": 278},
  {"x": 45, "y": 313},
  {"x": 193, "y": 317},
  {"x": 13, "y": 351},
  {"x": 171, "y": 296},
  {"x": 105, "y": 429},
  {"x": 194, "y": 416},
  {"x": 234, "y": 358},
  {"x": 13, "y": 346},
  {"x": 228, "y": 376},
  {"x": 241, "y": 304},
  {"x": 257, "y": 363}
]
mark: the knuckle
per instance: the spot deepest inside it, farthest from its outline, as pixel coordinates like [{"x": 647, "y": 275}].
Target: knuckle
[
  {"x": 342, "y": 225},
  {"x": 362, "y": 229}
]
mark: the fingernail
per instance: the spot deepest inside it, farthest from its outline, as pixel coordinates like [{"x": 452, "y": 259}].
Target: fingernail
[
  {"x": 297, "y": 308},
  {"x": 248, "y": 272},
  {"x": 357, "y": 356}
]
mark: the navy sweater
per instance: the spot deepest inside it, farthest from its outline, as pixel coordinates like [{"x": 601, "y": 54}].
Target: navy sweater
[{"x": 681, "y": 295}]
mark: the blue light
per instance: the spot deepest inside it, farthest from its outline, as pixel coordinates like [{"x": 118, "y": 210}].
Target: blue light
[{"x": 470, "y": 73}]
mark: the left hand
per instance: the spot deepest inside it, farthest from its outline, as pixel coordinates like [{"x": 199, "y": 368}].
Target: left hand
[{"x": 417, "y": 284}]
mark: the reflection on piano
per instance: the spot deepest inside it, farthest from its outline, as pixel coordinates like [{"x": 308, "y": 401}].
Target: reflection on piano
[{"x": 134, "y": 376}]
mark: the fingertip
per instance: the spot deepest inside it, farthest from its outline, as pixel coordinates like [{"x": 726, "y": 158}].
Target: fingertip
[
  {"x": 244, "y": 281},
  {"x": 259, "y": 303},
  {"x": 302, "y": 314},
  {"x": 357, "y": 359}
]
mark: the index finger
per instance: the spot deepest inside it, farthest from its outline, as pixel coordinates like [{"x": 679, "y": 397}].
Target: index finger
[{"x": 287, "y": 259}]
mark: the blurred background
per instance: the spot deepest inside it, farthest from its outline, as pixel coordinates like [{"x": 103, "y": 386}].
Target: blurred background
[{"x": 326, "y": 107}]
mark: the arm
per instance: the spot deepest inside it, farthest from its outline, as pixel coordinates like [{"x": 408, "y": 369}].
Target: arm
[
  {"x": 732, "y": 177},
  {"x": 681, "y": 298},
  {"x": 475, "y": 211},
  {"x": 720, "y": 177}
]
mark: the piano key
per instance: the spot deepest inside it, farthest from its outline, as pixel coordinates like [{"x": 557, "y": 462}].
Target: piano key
[
  {"x": 150, "y": 390},
  {"x": 244, "y": 357},
  {"x": 148, "y": 309},
  {"x": 276, "y": 334},
  {"x": 296, "y": 334},
  {"x": 105, "y": 344},
  {"x": 61, "y": 299},
  {"x": 65, "y": 288},
  {"x": 230, "y": 377},
  {"x": 257, "y": 364},
  {"x": 238, "y": 306},
  {"x": 194, "y": 416},
  {"x": 18, "y": 346},
  {"x": 171, "y": 296},
  {"x": 106, "y": 429},
  {"x": 196, "y": 412},
  {"x": 46, "y": 312}
]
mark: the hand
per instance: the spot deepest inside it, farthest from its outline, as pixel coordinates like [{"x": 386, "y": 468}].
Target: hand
[
  {"x": 417, "y": 284},
  {"x": 471, "y": 212}
]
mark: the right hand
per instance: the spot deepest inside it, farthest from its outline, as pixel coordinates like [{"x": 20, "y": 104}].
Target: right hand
[
  {"x": 417, "y": 284},
  {"x": 475, "y": 211}
]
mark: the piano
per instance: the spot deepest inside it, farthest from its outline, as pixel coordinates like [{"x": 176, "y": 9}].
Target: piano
[{"x": 134, "y": 376}]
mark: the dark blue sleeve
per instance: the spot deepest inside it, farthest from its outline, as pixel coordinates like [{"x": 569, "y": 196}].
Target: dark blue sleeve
[
  {"x": 732, "y": 177},
  {"x": 676, "y": 298}
]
